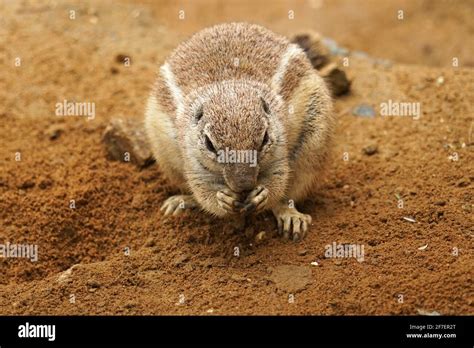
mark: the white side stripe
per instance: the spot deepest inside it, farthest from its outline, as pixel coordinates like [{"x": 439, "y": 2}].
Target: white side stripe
[
  {"x": 292, "y": 51},
  {"x": 173, "y": 87}
]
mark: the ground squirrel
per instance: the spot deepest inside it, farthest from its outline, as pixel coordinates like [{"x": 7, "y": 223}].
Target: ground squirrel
[{"x": 241, "y": 122}]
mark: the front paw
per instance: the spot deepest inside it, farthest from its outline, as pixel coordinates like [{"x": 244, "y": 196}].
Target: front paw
[
  {"x": 176, "y": 204},
  {"x": 229, "y": 201},
  {"x": 291, "y": 223},
  {"x": 256, "y": 200}
]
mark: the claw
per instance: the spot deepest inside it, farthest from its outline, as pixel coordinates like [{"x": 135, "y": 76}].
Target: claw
[
  {"x": 256, "y": 200},
  {"x": 280, "y": 227},
  {"x": 239, "y": 205},
  {"x": 292, "y": 223},
  {"x": 227, "y": 200},
  {"x": 248, "y": 208},
  {"x": 177, "y": 204}
]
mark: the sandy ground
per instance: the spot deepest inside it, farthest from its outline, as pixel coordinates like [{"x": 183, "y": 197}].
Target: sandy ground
[{"x": 126, "y": 258}]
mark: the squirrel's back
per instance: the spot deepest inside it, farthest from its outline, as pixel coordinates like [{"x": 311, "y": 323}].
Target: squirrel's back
[
  {"x": 232, "y": 51},
  {"x": 226, "y": 52}
]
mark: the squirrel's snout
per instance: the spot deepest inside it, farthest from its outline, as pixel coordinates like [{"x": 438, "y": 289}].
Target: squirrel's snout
[
  {"x": 241, "y": 178},
  {"x": 241, "y": 188}
]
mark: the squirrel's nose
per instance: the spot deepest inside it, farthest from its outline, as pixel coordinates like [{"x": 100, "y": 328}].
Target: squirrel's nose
[
  {"x": 241, "y": 178},
  {"x": 241, "y": 187}
]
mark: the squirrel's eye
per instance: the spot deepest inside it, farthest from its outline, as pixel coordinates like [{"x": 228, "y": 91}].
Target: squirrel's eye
[
  {"x": 210, "y": 145},
  {"x": 266, "y": 139},
  {"x": 199, "y": 113},
  {"x": 265, "y": 106}
]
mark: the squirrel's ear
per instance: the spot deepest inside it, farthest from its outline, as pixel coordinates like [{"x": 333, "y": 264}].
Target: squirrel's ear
[
  {"x": 265, "y": 106},
  {"x": 199, "y": 113}
]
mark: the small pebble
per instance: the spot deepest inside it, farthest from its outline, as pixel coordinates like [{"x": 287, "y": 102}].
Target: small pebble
[
  {"x": 26, "y": 185},
  {"x": 425, "y": 312},
  {"x": 364, "y": 110},
  {"x": 260, "y": 237},
  {"x": 53, "y": 132},
  {"x": 150, "y": 242},
  {"x": 370, "y": 150},
  {"x": 44, "y": 184},
  {"x": 181, "y": 259},
  {"x": 462, "y": 182},
  {"x": 65, "y": 277},
  {"x": 334, "y": 48},
  {"x": 238, "y": 278},
  {"x": 121, "y": 58},
  {"x": 93, "y": 284}
]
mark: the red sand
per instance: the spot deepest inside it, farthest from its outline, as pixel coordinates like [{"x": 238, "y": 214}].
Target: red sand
[{"x": 192, "y": 258}]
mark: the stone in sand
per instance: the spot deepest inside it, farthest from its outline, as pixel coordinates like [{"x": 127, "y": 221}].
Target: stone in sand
[{"x": 125, "y": 140}]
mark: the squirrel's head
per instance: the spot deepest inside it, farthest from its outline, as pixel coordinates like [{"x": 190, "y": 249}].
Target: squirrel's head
[{"x": 235, "y": 133}]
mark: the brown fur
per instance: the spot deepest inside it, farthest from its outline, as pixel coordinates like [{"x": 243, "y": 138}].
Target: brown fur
[{"x": 299, "y": 122}]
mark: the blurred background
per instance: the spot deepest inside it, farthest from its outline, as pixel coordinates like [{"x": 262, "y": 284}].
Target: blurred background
[{"x": 428, "y": 32}]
